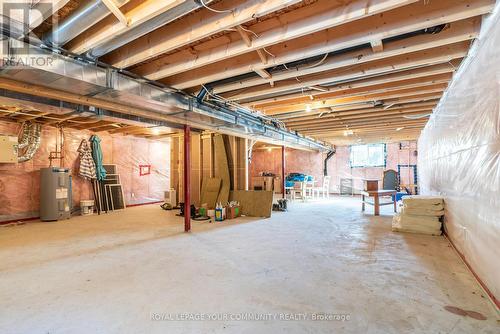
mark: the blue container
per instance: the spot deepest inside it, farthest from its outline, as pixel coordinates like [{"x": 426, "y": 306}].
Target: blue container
[
  {"x": 399, "y": 196},
  {"x": 218, "y": 215}
]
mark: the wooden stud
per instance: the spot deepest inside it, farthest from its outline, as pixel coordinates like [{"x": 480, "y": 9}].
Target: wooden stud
[
  {"x": 377, "y": 46},
  {"x": 113, "y": 8}
]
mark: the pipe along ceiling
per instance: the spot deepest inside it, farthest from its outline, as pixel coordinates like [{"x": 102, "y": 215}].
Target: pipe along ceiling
[{"x": 82, "y": 76}]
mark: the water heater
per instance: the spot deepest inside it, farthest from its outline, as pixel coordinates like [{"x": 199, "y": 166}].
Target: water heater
[{"x": 55, "y": 193}]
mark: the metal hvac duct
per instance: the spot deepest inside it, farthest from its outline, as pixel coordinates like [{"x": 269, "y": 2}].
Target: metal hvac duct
[
  {"x": 142, "y": 29},
  {"x": 84, "y": 78},
  {"x": 29, "y": 142},
  {"x": 80, "y": 20}
]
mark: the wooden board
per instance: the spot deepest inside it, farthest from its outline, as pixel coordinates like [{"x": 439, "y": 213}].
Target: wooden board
[{"x": 254, "y": 203}]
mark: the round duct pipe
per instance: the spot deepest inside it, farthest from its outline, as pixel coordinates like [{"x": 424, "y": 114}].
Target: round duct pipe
[
  {"x": 29, "y": 142},
  {"x": 80, "y": 20}
]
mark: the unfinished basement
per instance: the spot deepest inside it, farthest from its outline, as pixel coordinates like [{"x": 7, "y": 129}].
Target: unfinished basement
[{"x": 249, "y": 166}]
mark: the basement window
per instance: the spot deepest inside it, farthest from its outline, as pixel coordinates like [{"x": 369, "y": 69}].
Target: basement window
[{"x": 372, "y": 155}]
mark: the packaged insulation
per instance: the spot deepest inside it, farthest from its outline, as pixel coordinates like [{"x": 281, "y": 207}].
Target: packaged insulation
[{"x": 420, "y": 214}]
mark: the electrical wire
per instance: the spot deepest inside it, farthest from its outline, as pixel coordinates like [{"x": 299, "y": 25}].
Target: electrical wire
[
  {"x": 250, "y": 31},
  {"x": 215, "y": 10},
  {"x": 269, "y": 53},
  {"x": 317, "y": 63}
]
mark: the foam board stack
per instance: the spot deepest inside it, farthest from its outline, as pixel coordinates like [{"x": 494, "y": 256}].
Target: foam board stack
[{"x": 419, "y": 214}]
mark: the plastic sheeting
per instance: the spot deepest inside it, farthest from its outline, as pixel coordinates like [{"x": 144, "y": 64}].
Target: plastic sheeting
[
  {"x": 459, "y": 156},
  {"x": 20, "y": 183}
]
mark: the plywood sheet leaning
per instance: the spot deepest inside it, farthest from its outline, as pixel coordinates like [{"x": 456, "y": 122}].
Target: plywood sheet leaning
[
  {"x": 210, "y": 191},
  {"x": 254, "y": 203},
  {"x": 222, "y": 169}
]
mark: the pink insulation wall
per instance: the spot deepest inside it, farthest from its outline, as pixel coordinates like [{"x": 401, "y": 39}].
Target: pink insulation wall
[
  {"x": 311, "y": 163},
  {"x": 19, "y": 183}
]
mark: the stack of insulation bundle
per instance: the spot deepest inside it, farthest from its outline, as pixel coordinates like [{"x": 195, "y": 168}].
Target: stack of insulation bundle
[{"x": 419, "y": 214}]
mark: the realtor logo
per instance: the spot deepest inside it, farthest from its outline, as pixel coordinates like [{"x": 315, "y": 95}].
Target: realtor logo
[{"x": 19, "y": 45}]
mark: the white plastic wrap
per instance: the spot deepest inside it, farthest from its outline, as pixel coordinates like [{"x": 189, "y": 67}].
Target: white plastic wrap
[{"x": 459, "y": 157}]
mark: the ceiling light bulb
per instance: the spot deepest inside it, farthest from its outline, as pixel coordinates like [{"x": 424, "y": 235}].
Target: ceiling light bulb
[
  {"x": 399, "y": 129},
  {"x": 308, "y": 108},
  {"x": 155, "y": 131}
]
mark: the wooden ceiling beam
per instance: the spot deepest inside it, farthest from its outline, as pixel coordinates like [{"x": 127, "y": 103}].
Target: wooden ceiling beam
[
  {"x": 262, "y": 56},
  {"x": 440, "y": 55},
  {"x": 365, "y": 113},
  {"x": 362, "y": 113},
  {"x": 264, "y": 74},
  {"x": 63, "y": 119},
  {"x": 113, "y": 8},
  {"x": 456, "y": 32},
  {"x": 407, "y": 79},
  {"x": 37, "y": 90},
  {"x": 33, "y": 117},
  {"x": 381, "y": 136},
  {"x": 364, "y": 120},
  {"x": 99, "y": 127},
  {"x": 425, "y": 100},
  {"x": 378, "y": 89},
  {"x": 370, "y": 131},
  {"x": 368, "y": 125},
  {"x": 161, "y": 136},
  {"x": 397, "y": 22},
  {"x": 128, "y": 129},
  {"x": 364, "y": 98},
  {"x": 377, "y": 45},
  {"x": 244, "y": 36},
  {"x": 387, "y": 136},
  {"x": 321, "y": 15},
  {"x": 192, "y": 28},
  {"x": 28, "y": 105},
  {"x": 108, "y": 28}
]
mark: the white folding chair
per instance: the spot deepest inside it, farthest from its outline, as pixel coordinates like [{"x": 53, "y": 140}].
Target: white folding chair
[{"x": 324, "y": 189}]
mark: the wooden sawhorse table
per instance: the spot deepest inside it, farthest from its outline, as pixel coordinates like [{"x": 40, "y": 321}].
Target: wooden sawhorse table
[{"x": 376, "y": 194}]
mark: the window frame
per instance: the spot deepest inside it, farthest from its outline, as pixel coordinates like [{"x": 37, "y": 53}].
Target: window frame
[{"x": 367, "y": 151}]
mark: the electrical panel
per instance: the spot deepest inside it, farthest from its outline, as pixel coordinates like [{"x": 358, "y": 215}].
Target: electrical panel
[
  {"x": 55, "y": 194},
  {"x": 8, "y": 151}
]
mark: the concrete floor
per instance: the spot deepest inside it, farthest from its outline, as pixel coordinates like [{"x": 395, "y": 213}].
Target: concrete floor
[{"x": 114, "y": 273}]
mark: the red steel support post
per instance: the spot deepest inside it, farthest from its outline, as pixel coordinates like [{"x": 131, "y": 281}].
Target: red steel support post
[
  {"x": 283, "y": 183},
  {"x": 187, "y": 178}
]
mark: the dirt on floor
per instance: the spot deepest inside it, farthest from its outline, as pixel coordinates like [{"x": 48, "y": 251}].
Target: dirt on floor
[{"x": 322, "y": 267}]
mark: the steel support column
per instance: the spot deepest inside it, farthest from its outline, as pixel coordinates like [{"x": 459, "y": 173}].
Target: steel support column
[
  {"x": 187, "y": 178},
  {"x": 283, "y": 165}
]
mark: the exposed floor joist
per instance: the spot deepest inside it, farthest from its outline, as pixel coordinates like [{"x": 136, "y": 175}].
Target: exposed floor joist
[
  {"x": 442, "y": 55},
  {"x": 305, "y": 21},
  {"x": 455, "y": 33},
  {"x": 192, "y": 28},
  {"x": 319, "y": 66},
  {"x": 354, "y": 34}
]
